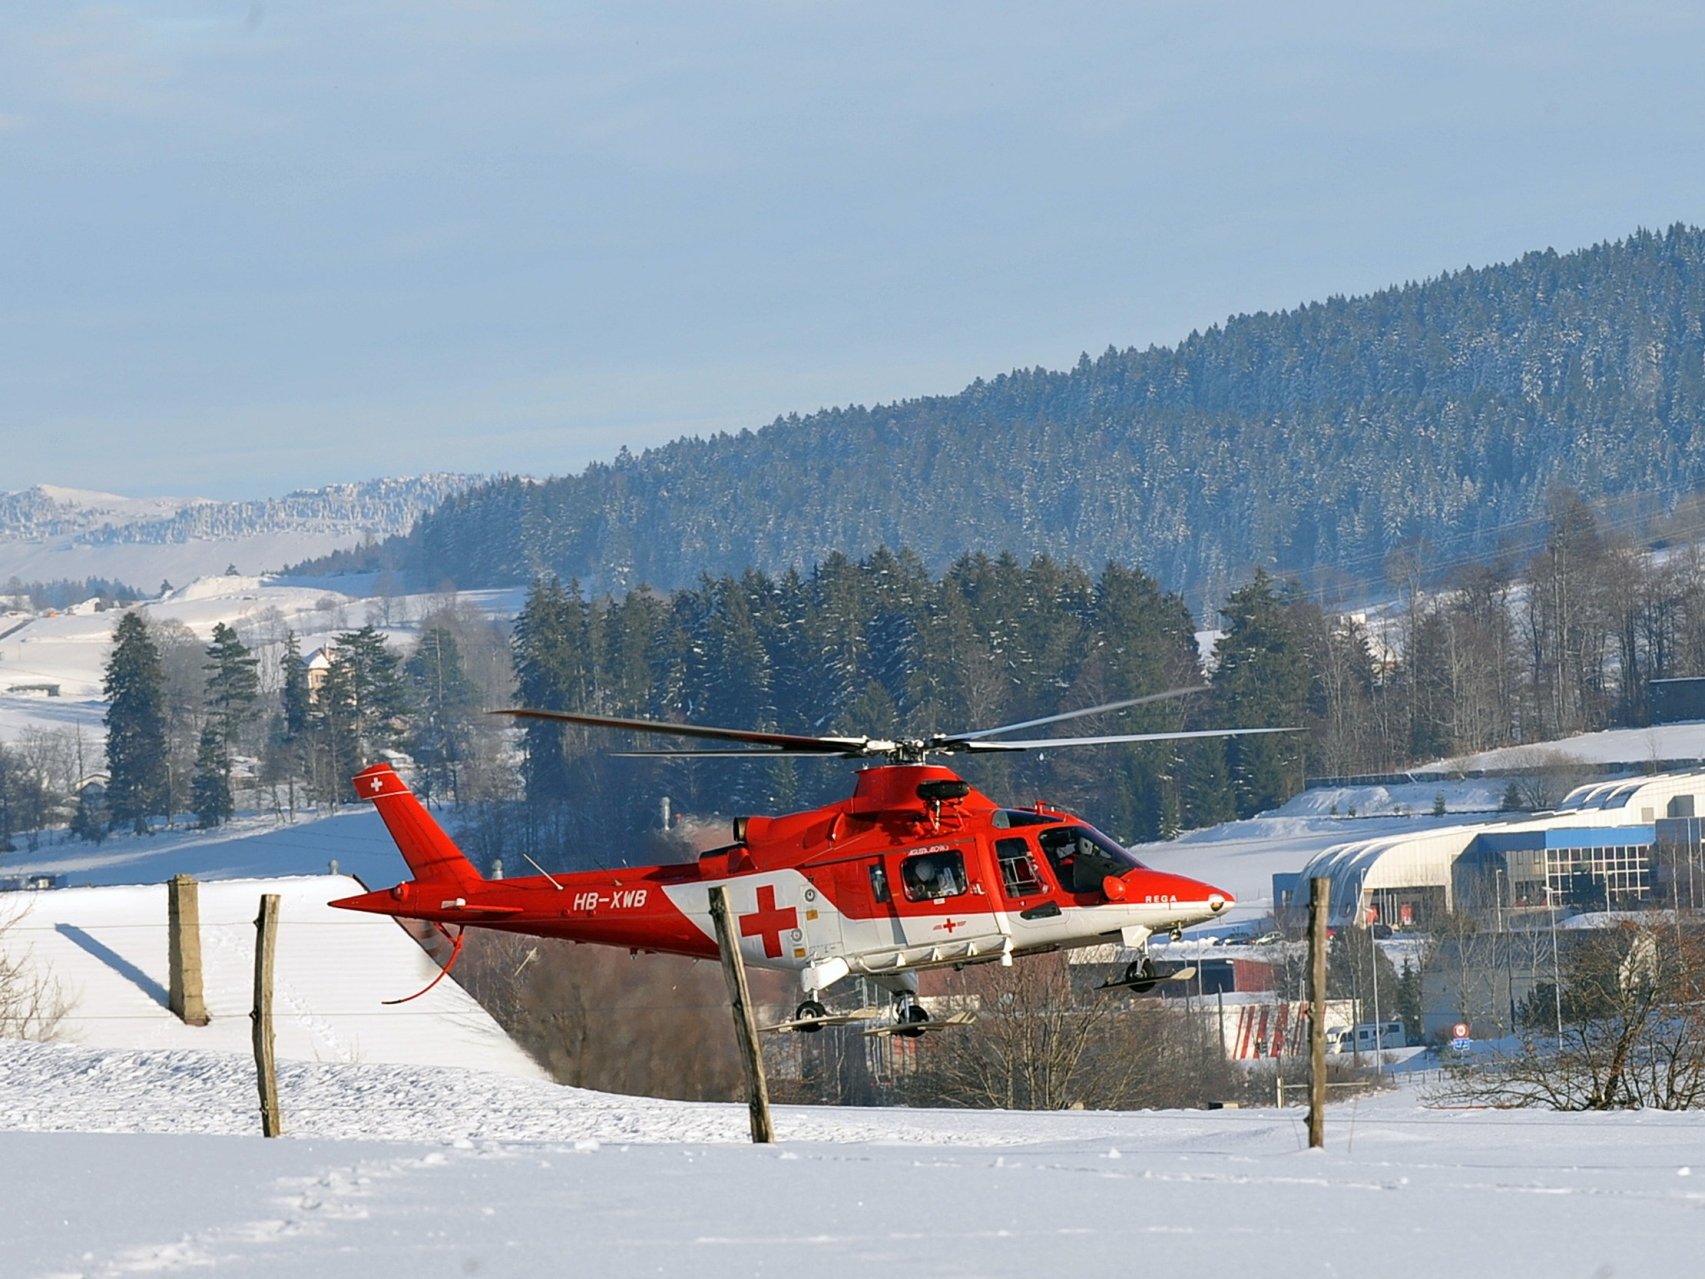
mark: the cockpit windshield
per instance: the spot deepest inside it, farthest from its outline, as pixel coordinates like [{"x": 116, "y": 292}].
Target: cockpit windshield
[{"x": 1082, "y": 857}]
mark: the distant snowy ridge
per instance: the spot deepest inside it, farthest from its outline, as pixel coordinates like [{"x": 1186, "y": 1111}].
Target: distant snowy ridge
[
  {"x": 377, "y": 508},
  {"x": 47, "y": 511},
  {"x": 49, "y": 533}
]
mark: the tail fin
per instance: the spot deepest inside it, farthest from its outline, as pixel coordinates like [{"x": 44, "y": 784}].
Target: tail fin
[{"x": 430, "y": 853}]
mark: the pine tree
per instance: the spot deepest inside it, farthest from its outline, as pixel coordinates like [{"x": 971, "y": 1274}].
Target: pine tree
[
  {"x": 210, "y": 787},
  {"x": 445, "y": 701},
  {"x": 377, "y": 697},
  {"x": 334, "y": 750},
  {"x": 136, "y": 727},
  {"x": 233, "y": 684},
  {"x": 1143, "y": 642},
  {"x": 1261, "y": 680},
  {"x": 232, "y": 688},
  {"x": 294, "y": 695},
  {"x": 1409, "y": 1003},
  {"x": 89, "y": 818},
  {"x": 551, "y": 673}
]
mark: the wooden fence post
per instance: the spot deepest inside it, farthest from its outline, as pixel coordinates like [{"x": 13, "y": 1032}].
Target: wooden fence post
[
  {"x": 266, "y": 1067},
  {"x": 745, "y": 1028},
  {"x": 1319, "y": 894},
  {"x": 183, "y": 951}
]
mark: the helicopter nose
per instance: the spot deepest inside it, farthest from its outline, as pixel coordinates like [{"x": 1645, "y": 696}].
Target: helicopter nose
[{"x": 1203, "y": 901}]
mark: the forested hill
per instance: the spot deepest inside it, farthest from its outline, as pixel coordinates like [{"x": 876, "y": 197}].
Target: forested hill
[{"x": 1319, "y": 438}]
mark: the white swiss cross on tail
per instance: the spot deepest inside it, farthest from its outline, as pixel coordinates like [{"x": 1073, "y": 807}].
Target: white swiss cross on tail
[{"x": 379, "y": 781}]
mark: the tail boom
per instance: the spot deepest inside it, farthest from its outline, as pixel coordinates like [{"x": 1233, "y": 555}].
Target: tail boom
[{"x": 438, "y": 865}]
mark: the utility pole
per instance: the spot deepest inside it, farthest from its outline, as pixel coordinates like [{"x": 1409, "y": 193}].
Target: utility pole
[
  {"x": 1556, "y": 968},
  {"x": 1319, "y": 892},
  {"x": 734, "y": 972},
  {"x": 1378, "y": 1025}
]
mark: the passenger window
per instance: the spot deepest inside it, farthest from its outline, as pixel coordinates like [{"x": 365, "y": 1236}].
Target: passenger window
[
  {"x": 878, "y": 882},
  {"x": 1018, "y": 868},
  {"x": 929, "y": 876}
]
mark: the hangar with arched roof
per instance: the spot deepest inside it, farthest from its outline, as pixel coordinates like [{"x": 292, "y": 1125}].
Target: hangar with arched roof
[{"x": 1612, "y": 845}]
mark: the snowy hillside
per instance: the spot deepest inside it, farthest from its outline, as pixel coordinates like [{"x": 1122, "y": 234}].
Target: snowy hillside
[
  {"x": 47, "y": 533},
  {"x": 106, "y": 949},
  {"x": 70, "y": 650}
]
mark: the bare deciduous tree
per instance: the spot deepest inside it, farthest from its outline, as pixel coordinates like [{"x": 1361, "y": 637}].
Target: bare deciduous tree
[
  {"x": 1542, "y": 776},
  {"x": 32, "y": 1004},
  {"x": 1633, "y": 1002},
  {"x": 1043, "y": 1042},
  {"x": 596, "y": 1018}
]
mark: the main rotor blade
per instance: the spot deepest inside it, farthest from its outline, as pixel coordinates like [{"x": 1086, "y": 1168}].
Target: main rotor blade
[
  {"x": 1050, "y": 742},
  {"x": 738, "y": 752},
  {"x": 789, "y": 741},
  {"x": 1168, "y": 695}
]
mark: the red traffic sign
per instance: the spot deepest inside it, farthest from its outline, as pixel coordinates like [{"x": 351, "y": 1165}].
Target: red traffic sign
[{"x": 1460, "y": 1030}]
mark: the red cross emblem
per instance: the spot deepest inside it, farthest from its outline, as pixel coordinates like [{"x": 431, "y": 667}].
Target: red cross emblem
[{"x": 768, "y": 922}]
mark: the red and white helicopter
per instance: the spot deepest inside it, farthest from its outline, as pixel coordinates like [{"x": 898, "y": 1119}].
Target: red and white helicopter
[{"x": 915, "y": 870}]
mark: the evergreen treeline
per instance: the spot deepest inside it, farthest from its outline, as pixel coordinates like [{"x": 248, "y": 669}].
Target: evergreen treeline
[
  {"x": 882, "y": 648},
  {"x": 193, "y": 727},
  {"x": 1313, "y": 443},
  {"x": 1508, "y": 653},
  {"x": 1566, "y": 642}
]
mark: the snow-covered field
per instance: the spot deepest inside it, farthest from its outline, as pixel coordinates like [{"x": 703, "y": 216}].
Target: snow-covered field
[
  {"x": 144, "y": 1156},
  {"x": 130, "y": 1163},
  {"x": 106, "y": 950}
]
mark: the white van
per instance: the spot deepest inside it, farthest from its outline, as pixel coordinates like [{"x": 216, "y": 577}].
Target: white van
[{"x": 1363, "y": 1038}]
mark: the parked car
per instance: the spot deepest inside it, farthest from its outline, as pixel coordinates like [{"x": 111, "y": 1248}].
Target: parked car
[{"x": 1366, "y": 1038}]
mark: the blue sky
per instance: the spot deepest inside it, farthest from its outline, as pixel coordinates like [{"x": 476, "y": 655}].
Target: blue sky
[{"x": 246, "y": 247}]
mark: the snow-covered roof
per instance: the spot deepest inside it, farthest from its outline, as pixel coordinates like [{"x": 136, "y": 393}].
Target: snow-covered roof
[
  {"x": 1638, "y": 799},
  {"x": 1426, "y": 858}
]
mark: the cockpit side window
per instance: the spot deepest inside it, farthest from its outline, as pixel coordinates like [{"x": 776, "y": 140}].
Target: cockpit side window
[
  {"x": 929, "y": 876},
  {"x": 1018, "y": 868},
  {"x": 1082, "y": 857}
]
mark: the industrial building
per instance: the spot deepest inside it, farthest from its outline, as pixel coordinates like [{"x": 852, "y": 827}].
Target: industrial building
[{"x": 1620, "y": 845}]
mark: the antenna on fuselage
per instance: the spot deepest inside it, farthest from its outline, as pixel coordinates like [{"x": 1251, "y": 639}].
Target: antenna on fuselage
[{"x": 535, "y": 865}]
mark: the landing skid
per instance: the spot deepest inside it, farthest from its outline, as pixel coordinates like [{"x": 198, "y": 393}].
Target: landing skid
[
  {"x": 816, "y": 1021},
  {"x": 911, "y": 1021},
  {"x": 911, "y": 1029},
  {"x": 1142, "y": 983}
]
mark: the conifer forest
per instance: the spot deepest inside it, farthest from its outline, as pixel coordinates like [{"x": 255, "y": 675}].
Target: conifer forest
[{"x": 1504, "y": 653}]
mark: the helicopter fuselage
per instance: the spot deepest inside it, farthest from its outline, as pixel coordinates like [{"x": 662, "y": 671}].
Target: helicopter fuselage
[{"x": 915, "y": 870}]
